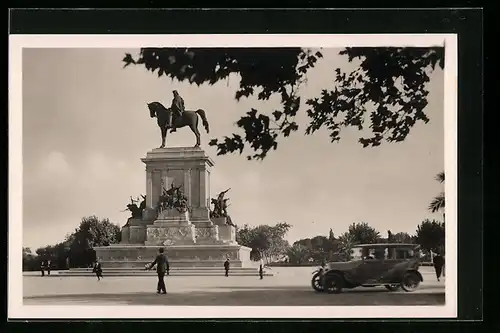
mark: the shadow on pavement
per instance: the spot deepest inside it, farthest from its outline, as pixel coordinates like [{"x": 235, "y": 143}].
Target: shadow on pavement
[
  {"x": 422, "y": 289},
  {"x": 266, "y": 296}
]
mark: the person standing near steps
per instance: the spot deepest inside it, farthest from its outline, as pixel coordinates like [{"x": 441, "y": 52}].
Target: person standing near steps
[
  {"x": 261, "y": 269},
  {"x": 162, "y": 267},
  {"x": 97, "y": 269},
  {"x": 226, "y": 267}
]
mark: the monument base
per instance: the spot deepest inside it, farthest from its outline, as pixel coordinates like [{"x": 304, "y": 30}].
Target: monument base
[{"x": 195, "y": 256}]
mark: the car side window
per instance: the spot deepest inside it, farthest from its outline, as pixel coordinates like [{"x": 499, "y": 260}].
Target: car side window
[
  {"x": 375, "y": 253},
  {"x": 380, "y": 253},
  {"x": 391, "y": 253},
  {"x": 404, "y": 253}
]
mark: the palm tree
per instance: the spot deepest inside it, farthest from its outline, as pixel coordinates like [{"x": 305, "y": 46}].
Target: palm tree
[
  {"x": 346, "y": 242},
  {"x": 437, "y": 204}
]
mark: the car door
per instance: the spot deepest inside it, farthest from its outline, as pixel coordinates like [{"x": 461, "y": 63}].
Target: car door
[
  {"x": 391, "y": 270},
  {"x": 369, "y": 272},
  {"x": 394, "y": 265}
]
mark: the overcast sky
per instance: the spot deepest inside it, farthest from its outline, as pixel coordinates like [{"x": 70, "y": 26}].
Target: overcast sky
[{"x": 86, "y": 126}]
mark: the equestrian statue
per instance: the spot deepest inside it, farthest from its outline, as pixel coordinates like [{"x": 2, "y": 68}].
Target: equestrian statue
[{"x": 176, "y": 117}]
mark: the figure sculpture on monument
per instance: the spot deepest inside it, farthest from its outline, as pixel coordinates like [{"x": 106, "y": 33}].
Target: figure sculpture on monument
[
  {"x": 177, "y": 117},
  {"x": 173, "y": 198},
  {"x": 135, "y": 210},
  {"x": 177, "y": 110},
  {"x": 220, "y": 207},
  {"x": 142, "y": 205}
]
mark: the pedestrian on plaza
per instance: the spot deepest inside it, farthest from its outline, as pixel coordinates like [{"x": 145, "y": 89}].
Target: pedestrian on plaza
[
  {"x": 49, "y": 262},
  {"x": 226, "y": 267},
  {"x": 162, "y": 267},
  {"x": 438, "y": 262},
  {"x": 261, "y": 269},
  {"x": 42, "y": 266},
  {"x": 97, "y": 269}
]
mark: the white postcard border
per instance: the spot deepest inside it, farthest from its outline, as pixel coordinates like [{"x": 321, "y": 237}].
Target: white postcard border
[{"x": 16, "y": 309}]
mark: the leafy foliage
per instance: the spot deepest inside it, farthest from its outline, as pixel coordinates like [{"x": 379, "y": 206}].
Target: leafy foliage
[
  {"x": 95, "y": 232},
  {"x": 431, "y": 235},
  {"x": 298, "y": 254},
  {"x": 403, "y": 237},
  {"x": 267, "y": 240},
  {"x": 77, "y": 246},
  {"x": 362, "y": 233},
  {"x": 92, "y": 232},
  {"x": 438, "y": 202},
  {"x": 388, "y": 88},
  {"x": 347, "y": 241}
]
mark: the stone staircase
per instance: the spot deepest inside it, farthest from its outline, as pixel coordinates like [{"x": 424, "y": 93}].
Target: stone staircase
[{"x": 177, "y": 271}]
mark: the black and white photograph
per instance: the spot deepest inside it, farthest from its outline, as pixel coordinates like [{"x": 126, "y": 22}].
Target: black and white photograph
[{"x": 294, "y": 175}]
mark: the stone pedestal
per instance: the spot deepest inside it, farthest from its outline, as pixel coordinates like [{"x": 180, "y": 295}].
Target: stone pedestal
[
  {"x": 171, "y": 228},
  {"x": 179, "y": 256},
  {"x": 135, "y": 231},
  {"x": 207, "y": 233},
  {"x": 190, "y": 239},
  {"x": 227, "y": 233},
  {"x": 189, "y": 167}
]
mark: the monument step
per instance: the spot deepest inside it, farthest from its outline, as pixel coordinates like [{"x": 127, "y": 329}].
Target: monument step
[
  {"x": 184, "y": 264},
  {"x": 183, "y": 269},
  {"x": 153, "y": 273}
]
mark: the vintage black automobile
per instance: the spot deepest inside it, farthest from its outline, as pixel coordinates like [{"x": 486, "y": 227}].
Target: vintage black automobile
[{"x": 391, "y": 265}]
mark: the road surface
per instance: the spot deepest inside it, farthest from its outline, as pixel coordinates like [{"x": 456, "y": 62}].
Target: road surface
[{"x": 289, "y": 286}]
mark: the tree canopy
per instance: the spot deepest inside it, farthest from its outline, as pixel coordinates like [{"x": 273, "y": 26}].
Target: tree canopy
[
  {"x": 431, "y": 235},
  {"x": 77, "y": 246},
  {"x": 387, "y": 93},
  {"x": 362, "y": 233},
  {"x": 266, "y": 241}
]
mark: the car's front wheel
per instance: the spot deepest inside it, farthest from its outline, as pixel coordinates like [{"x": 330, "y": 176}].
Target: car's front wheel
[
  {"x": 392, "y": 287},
  {"x": 410, "y": 281},
  {"x": 334, "y": 283},
  {"x": 316, "y": 282}
]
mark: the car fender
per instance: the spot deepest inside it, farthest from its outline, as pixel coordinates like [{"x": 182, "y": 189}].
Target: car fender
[{"x": 416, "y": 272}]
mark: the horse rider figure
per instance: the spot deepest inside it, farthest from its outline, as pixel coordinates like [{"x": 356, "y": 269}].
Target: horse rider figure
[{"x": 177, "y": 110}]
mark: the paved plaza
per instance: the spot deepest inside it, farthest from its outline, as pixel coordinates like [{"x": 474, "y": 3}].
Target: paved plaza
[{"x": 289, "y": 286}]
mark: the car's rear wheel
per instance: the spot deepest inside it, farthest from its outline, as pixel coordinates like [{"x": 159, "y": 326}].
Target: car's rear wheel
[
  {"x": 316, "y": 282},
  {"x": 392, "y": 287},
  {"x": 410, "y": 281},
  {"x": 334, "y": 283}
]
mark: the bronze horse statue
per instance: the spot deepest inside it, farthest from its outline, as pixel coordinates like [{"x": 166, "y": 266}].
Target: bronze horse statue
[{"x": 188, "y": 118}]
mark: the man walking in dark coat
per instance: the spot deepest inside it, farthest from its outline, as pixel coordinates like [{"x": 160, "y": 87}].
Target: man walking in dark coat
[
  {"x": 162, "y": 267},
  {"x": 226, "y": 266},
  {"x": 438, "y": 262}
]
